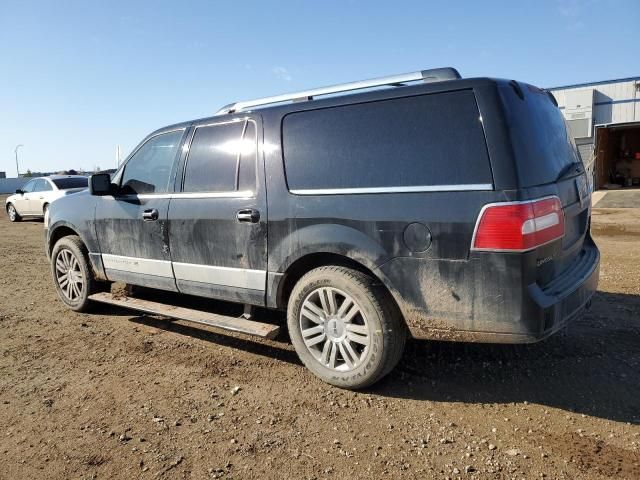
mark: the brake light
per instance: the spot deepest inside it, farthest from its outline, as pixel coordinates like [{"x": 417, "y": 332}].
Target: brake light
[{"x": 519, "y": 226}]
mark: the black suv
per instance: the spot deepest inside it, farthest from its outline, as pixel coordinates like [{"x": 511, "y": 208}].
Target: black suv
[{"x": 430, "y": 205}]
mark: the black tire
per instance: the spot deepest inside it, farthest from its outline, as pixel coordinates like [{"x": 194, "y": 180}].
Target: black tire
[
  {"x": 378, "y": 318},
  {"x": 66, "y": 248},
  {"x": 12, "y": 213}
]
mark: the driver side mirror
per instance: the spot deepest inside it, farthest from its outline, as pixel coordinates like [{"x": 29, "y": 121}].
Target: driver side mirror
[
  {"x": 19, "y": 191},
  {"x": 100, "y": 184}
]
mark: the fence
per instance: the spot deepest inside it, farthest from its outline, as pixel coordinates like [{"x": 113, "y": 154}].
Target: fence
[{"x": 10, "y": 185}]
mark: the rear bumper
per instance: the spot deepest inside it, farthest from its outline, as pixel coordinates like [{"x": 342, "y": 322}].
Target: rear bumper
[
  {"x": 485, "y": 300},
  {"x": 565, "y": 298}
]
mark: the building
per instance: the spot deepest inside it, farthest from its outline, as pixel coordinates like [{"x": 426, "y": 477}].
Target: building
[{"x": 604, "y": 119}]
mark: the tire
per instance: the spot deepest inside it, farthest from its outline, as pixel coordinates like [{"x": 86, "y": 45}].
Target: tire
[
  {"x": 322, "y": 305},
  {"x": 70, "y": 255},
  {"x": 13, "y": 213}
]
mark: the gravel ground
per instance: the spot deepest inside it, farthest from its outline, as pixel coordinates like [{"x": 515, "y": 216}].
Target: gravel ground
[{"x": 114, "y": 394}]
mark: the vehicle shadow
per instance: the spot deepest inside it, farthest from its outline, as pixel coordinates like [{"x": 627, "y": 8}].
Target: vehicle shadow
[
  {"x": 278, "y": 349},
  {"x": 592, "y": 367}
]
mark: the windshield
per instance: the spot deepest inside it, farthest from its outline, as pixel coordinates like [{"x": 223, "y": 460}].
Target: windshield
[
  {"x": 541, "y": 140},
  {"x": 74, "y": 182}
]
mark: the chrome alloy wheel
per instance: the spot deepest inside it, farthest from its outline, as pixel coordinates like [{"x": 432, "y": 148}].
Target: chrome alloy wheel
[
  {"x": 11, "y": 210},
  {"x": 334, "y": 329},
  {"x": 69, "y": 275}
]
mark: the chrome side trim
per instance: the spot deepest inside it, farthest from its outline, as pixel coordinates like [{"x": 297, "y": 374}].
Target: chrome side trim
[
  {"x": 475, "y": 187},
  {"x": 158, "y": 268},
  {"x": 226, "y": 276},
  {"x": 149, "y": 196}
]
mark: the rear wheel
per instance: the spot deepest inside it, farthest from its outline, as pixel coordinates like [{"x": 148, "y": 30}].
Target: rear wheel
[
  {"x": 345, "y": 327},
  {"x": 13, "y": 213},
  {"x": 72, "y": 273}
]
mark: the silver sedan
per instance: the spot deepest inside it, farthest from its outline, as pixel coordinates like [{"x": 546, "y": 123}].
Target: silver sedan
[{"x": 34, "y": 198}]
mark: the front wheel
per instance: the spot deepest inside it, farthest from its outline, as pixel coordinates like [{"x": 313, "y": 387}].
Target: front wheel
[
  {"x": 72, "y": 273},
  {"x": 345, "y": 327},
  {"x": 13, "y": 213}
]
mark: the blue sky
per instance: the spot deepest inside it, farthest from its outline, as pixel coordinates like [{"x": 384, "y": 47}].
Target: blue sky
[{"x": 78, "y": 78}]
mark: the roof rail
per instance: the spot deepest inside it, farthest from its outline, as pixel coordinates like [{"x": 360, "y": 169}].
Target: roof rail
[{"x": 427, "y": 76}]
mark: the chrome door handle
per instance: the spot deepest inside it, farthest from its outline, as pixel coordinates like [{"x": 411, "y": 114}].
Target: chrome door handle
[
  {"x": 248, "y": 215},
  {"x": 150, "y": 215}
]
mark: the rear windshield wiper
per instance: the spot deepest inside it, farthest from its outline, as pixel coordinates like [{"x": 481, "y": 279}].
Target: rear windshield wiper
[{"x": 572, "y": 168}]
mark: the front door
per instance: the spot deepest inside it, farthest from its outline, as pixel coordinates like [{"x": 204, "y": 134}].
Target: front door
[
  {"x": 131, "y": 225},
  {"x": 218, "y": 219},
  {"x": 23, "y": 202}
]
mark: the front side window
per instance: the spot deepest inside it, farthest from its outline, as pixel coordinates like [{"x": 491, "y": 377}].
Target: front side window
[
  {"x": 149, "y": 169},
  {"x": 29, "y": 187},
  {"x": 221, "y": 158},
  {"x": 46, "y": 186}
]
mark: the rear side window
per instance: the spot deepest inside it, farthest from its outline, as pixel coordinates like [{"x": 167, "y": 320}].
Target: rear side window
[
  {"x": 221, "y": 158},
  {"x": 423, "y": 141},
  {"x": 67, "y": 183}
]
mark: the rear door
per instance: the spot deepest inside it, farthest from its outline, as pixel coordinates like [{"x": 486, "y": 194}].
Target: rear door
[
  {"x": 131, "y": 225},
  {"x": 217, "y": 223},
  {"x": 37, "y": 197}
]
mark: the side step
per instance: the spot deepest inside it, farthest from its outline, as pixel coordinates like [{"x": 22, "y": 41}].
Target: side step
[{"x": 225, "y": 322}]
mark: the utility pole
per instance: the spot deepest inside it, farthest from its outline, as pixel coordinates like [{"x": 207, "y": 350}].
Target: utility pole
[
  {"x": 117, "y": 156},
  {"x": 17, "y": 166}
]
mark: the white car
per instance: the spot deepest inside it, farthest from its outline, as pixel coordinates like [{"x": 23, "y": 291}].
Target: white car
[{"x": 34, "y": 198}]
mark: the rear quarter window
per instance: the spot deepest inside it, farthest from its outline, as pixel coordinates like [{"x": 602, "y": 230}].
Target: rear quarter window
[{"x": 422, "y": 141}]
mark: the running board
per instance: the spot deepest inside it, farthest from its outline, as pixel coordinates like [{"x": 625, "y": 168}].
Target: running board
[{"x": 234, "y": 324}]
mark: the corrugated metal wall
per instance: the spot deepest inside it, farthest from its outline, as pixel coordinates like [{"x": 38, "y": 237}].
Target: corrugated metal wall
[{"x": 617, "y": 101}]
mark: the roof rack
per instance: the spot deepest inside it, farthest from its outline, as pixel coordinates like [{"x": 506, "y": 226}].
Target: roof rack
[{"x": 427, "y": 76}]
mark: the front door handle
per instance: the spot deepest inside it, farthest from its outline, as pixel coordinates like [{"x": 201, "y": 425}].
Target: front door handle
[
  {"x": 248, "y": 215},
  {"x": 150, "y": 215}
]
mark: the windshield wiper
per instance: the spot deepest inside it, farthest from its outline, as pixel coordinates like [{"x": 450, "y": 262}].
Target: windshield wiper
[{"x": 573, "y": 167}]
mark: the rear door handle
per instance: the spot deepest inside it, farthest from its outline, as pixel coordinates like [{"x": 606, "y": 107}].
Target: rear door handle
[
  {"x": 150, "y": 215},
  {"x": 248, "y": 215}
]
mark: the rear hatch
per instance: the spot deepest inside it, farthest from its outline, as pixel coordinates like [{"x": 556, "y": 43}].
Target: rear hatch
[{"x": 548, "y": 164}]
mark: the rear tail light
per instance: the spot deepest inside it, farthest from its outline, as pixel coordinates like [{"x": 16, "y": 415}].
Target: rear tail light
[{"x": 518, "y": 226}]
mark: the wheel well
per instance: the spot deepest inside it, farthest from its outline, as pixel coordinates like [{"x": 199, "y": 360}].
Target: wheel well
[
  {"x": 314, "y": 260},
  {"x": 59, "y": 233}
]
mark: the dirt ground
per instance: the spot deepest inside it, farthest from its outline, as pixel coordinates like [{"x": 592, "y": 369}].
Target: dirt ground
[{"x": 114, "y": 394}]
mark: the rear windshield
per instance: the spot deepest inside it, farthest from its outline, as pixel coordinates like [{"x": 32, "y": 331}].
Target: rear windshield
[
  {"x": 542, "y": 143},
  {"x": 67, "y": 183},
  {"x": 431, "y": 140}
]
